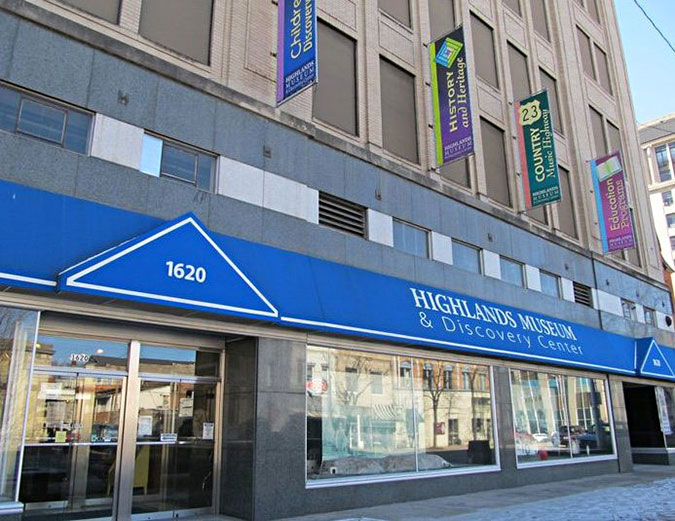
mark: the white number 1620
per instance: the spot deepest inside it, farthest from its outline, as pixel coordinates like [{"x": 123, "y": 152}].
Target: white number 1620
[{"x": 179, "y": 270}]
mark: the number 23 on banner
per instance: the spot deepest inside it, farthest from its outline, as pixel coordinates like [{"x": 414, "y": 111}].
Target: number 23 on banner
[{"x": 530, "y": 113}]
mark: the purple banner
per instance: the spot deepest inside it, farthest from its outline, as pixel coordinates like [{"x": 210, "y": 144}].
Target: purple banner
[
  {"x": 611, "y": 196},
  {"x": 450, "y": 89}
]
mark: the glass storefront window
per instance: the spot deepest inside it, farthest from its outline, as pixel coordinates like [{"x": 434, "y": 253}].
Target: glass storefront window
[
  {"x": 669, "y": 395},
  {"x": 177, "y": 361},
  {"x": 17, "y": 337},
  {"x": 559, "y": 417},
  {"x": 539, "y": 415},
  {"x": 80, "y": 353},
  {"x": 370, "y": 414},
  {"x": 589, "y": 417},
  {"x": 455, "y": 429}
]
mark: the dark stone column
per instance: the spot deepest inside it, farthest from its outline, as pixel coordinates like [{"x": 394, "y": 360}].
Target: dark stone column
[{"x": 236, "y": 496}]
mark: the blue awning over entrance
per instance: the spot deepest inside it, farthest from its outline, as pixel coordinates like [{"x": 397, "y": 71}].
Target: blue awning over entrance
[{"x": 58, "y": 242}]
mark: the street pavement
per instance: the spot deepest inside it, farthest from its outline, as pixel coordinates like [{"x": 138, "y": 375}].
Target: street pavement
[{"x": 647, "y": 494}]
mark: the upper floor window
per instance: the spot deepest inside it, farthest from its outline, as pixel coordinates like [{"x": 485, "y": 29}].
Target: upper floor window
[
  {"x": 670, "y": 219},
  {"x": 628, "y": 309},
  {"x": 44, "y": 119},
  {"x": 514, "y": 5},
  {"x": 672, "y": 243},
  {"x": 484, "y": 51},
  {"x": 550, "y": 284},
  {"x": 650, "y": 316},
  {"x": 411, "y": 239},
  {"x": 335, "y": 99},
  {"x": 399, "y": 9},
  {"x": 667, "y": 198},
  {"x": 441, "y": 17},
  {"x": 399, "y": 113},
  {"x": 466, "y": 257},
  {"x": 520, "y": 77},
  {"x": 109, "y": 10},
  {"x": 664, "y": 154},
  {"x": 496, "y": 171},
  {"x": 184, "y": 27},
  {"x": 540, "y": 18},
  {"x": 512, "y": 271},
  {"x": 177, "y": 161}
]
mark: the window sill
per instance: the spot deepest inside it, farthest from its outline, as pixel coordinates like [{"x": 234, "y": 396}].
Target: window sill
[
  {"x": 401, "y": 476},
  {"x": 10, "y": 507},
  {"x": 570, "y": 461}
]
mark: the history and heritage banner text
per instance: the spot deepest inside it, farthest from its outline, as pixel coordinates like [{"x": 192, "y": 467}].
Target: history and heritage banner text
[
  {"x": 536, "y": 142},
  {"x": 297, "y": 64},
  {"x": 452, "y": 106},
  {"x": 611, "y": 196}
]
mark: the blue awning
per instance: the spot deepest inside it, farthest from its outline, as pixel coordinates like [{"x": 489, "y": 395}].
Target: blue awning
[{"x": 55, "y": 242}]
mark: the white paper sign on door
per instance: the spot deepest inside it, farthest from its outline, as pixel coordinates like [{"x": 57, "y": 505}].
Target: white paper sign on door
[
  {"x": 144, "y": 425},
  {"x": 662, "y": 406},
  {"x": 207, "y": 430}
]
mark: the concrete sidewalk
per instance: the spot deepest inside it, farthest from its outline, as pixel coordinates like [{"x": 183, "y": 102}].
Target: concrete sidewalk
[{"x": 647, "y": 494}]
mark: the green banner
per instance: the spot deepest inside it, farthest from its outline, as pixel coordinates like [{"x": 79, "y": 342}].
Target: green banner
[{"x": 537, "y": 150}]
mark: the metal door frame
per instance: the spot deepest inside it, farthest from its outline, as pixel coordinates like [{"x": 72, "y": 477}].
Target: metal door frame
[
  {"x": 75, "y": 372},
  {"x": 130, "y": 420}
]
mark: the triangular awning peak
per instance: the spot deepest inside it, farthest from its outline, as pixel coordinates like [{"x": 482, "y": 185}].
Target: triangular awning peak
[{"x": 177, "y": 264}]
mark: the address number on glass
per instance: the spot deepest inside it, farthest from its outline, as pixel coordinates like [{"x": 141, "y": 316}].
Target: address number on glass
[{"x": 179, "y": 270}]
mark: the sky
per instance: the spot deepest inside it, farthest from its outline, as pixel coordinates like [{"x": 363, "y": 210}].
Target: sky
[{"x": 650, "y": 62}]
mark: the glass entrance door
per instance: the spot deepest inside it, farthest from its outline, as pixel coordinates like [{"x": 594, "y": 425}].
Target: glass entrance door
[
  {"x": 174, "y": 448},
  {"x": 70, "y": 450}
]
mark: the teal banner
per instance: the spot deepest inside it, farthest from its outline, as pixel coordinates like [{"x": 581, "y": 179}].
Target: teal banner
[{"x": 537, "y": 150}]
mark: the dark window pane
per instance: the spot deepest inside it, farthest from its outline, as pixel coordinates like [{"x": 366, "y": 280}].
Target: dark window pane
[
  {"x": 77, "y": 131},
  {"x": 539, "y": 18},
  {"x": 457, "y": 171},
  {"x": 335, "y": 95},
  {"x": 566, "y": 205},
  {"x": 496, "y": 175},
  {"x": 106, "y": 9},
  {"x": 174, "y": 360},
  {"x": 549, "y": 84},
  {"x": 40, "y": 120},
  {"x": 484, "y": 51},
  {"x": 514, "y": 5},
  {"x": 520, "y": 78},
  {"x": 599, "y": 142},
  {"x": 205, "y": 172},
  {"x": 603, "y": 69},
  {"x": 9, "y": 108},
  {"x": 538, "y": 213},
  {"x": 399, "y": 117},
  {"x": 441, "y": 17},
  {"x": 594, "y": 10},
  {"x": 614, "y": 138},
  {"x": 179, "y": 163},
  {"x": 399, "y": 9},
  {"x": 182, "y": 26},
  {"x": 667, "y": 198},
  {"x": 585, "y": 49},
  {"x": 662, "y": 163}
]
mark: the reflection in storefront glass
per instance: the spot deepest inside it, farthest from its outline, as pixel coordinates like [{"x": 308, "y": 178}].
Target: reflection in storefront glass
[
  {"x": 176, "y": 361},
  {"x": 540, "y": 420},
  {"x": 590, "y": 431},
  {"x": 559, "y": 417},
  {"x": 80, "y": 353},
  {"x": 378, "y": 414},
  {"x": 669, "y": 394},
  {"x": 17, "y": 336}
]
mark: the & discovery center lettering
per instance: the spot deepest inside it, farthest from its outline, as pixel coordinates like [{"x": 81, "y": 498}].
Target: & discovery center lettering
[
  {"x": 492, "y": 321},
  {"x": 477, "y": 325}
]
